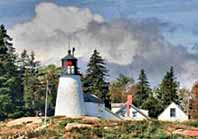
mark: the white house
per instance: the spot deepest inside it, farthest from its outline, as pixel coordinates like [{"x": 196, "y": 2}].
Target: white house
[
  {"x": 128, "y": 110},
  {"x": 173, "y": 113}
]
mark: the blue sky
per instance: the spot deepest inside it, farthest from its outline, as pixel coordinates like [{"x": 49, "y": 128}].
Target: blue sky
[
  {"x": 179, "y": 13},
  {"x": 150, "y": 34}
]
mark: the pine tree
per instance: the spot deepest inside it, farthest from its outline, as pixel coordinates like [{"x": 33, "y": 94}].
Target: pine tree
[
  {"x": 34, "y": 83},
  {"x": 9, "y": 90},
  {"x": 49, "y": 74},
  {"x": 153, "y": 105},
  {"x": 30, "y": 82},
  {"x": 94, "y": 81},
  {"x": 144, "y": 89},
  {"x": 168, "y": 89}
]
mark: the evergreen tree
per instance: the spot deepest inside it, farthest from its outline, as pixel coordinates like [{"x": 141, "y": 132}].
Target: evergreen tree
[
  {"x": 35, "y": 81},
  {"x": 49, "y": 74},
  {"x": 153, "y": 105},
  {"x": 9, "y": 90},
  {"x": 168, "y": 89},
  {"x": 144, "y": 89},
  {"x": 94, "y": 81},
  {"x": 30, "y": 82}
]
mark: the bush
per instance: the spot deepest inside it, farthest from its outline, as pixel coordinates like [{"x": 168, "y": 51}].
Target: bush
[
  {"x": 17, "y": 114},
  {"x": 39, "y": 133},
  {"x": 193, "y": 123}
]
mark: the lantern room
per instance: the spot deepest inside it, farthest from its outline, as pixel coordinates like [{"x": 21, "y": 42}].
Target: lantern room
[{"x": 69, "y": 64}]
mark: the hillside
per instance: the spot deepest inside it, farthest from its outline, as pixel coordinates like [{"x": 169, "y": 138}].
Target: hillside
[{"x": 93, "y": 128}]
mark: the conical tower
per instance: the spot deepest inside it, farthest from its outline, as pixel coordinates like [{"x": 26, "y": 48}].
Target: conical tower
[{"x": 70, "y": 101}]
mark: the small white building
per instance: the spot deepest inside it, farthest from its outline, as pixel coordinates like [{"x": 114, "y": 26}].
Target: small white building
[
  {"x": 134, "y": 112},
  {"x": 96, "y": 108},
  {"x": 173, "y": 113}
]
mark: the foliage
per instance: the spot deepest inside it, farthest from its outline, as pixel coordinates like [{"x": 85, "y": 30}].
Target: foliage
[
  {"x": 5, "y": 102},
  {"x": 9, "y": 89},
  {"x": 107, "y": 100},
  {"x": 184, "y": 96},
  {"x": 144, "y": 90},
  {"x": 119, "y": 88},
  {"x": 153, "y": 105},
  {"x": 34, "y": 84},
  {"x": 193, "y": 102},
  {"x": 49, "y": 74},
  {"x": 126, "y": 130},
  {"x": 98, "y": 129},
  {"x": 168, "y": 89},
  {"x": 192, "y": 123},
  {"x": 162, "y": 96},
  {"x": 195, "y": 90},
  {"x": 31, "y": 82},
  {"x": 94, "y": 81},
  {"x": 23, "y": 82}
]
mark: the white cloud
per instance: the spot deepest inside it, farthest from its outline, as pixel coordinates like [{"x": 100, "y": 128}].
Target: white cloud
[
  {"x": 51, "y": 28},
  {"x": 190, "y": 74},
  {"x": 129, "y": 45},
  {"x": 48, "y": 32}
]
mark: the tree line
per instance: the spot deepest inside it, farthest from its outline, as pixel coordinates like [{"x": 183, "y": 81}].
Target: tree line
[
  {"x": 23, "y": 82},
  {"x": 155, "y": 100}
]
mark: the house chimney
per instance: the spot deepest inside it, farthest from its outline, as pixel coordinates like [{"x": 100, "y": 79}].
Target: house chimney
[{"x": 129, "y": 103}]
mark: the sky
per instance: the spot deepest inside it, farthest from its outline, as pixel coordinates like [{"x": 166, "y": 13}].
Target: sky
[{"x": 129, "y": 34}]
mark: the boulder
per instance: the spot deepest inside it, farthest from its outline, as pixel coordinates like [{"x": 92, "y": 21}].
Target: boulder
[
  {"x": 24, "y": 120},
  {"x": 71, "y": 126}
]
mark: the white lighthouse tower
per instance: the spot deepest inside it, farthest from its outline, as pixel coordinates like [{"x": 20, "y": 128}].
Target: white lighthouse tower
[{"x": 70, "y": 101}]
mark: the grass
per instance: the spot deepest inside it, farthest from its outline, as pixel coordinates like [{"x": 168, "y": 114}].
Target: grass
[
  {"x": 103, "y": 129},
  {"x": 192, "y": 123},
  {"x": 125, "y": 130}
]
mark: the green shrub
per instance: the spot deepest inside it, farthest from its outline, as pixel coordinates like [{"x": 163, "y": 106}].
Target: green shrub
[
  {"x": 193, "y": 123},
  {"x": 16, "y": 114},
  {"x": 33, "y": 134},
  {"x": 109, "y": 136},
  {"x": 174, "y": 136}
]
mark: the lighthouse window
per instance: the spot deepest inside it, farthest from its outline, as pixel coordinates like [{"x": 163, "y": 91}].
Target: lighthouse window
[
  {"x": 72, "y": 69},
  {"x": 69, "y": 70}
]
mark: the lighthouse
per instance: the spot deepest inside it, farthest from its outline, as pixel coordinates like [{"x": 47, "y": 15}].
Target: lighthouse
[{"x": 70, "y": 101}]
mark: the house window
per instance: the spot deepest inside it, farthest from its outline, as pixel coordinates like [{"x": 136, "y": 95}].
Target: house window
[
  {"x": 134, "y": 113},
  {"x": 172, "y": 112}
]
